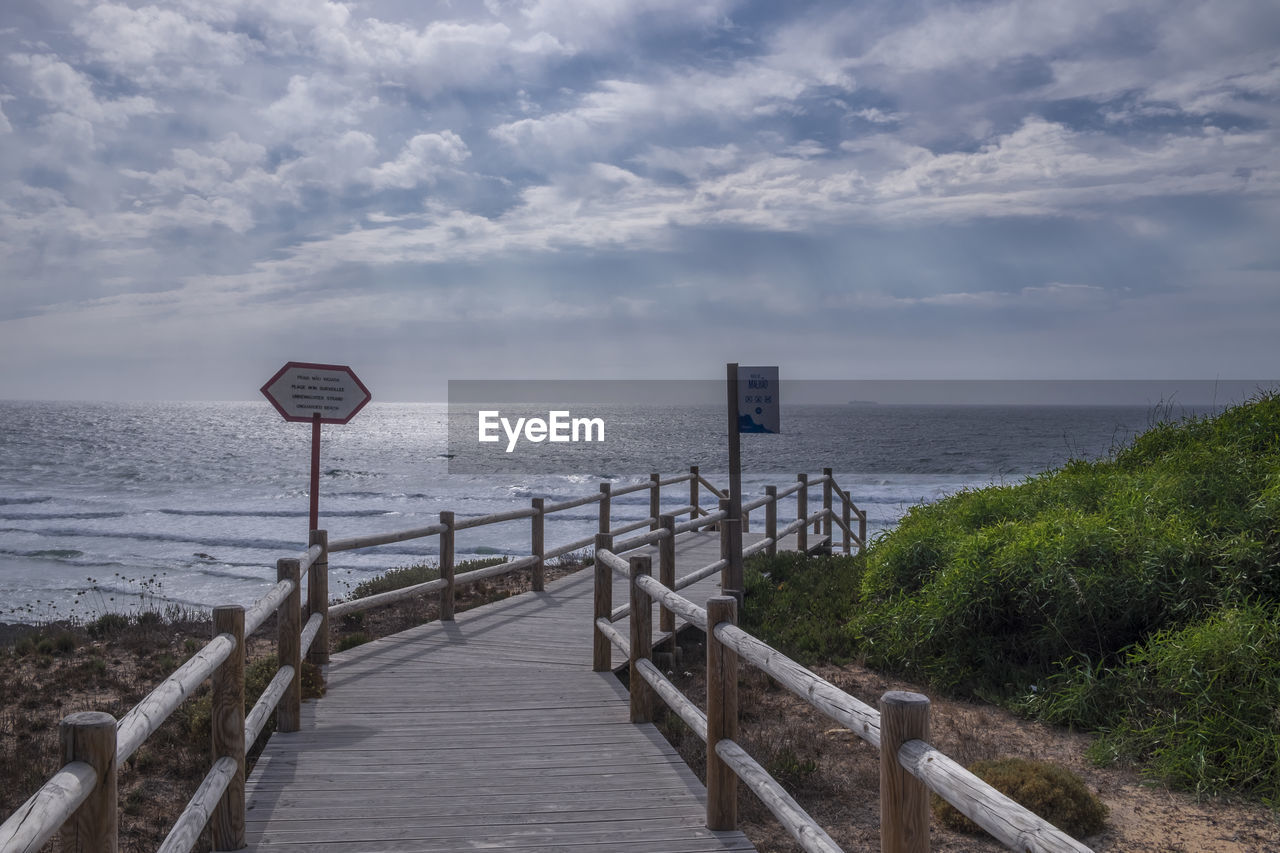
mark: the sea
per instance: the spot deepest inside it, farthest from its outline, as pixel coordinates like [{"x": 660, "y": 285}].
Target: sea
[{"x": 127, "y": 506}]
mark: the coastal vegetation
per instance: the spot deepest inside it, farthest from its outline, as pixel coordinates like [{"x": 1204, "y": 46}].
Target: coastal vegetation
[{"x": 1136, "y": 596}]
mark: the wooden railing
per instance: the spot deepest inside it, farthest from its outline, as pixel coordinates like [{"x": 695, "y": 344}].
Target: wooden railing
[
  {"x": 80, "y": 799},
  {"x": 909, "y": 767}
]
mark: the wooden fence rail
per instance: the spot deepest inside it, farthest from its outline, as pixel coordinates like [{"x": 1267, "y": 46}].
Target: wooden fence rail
[
  {"x": 910, "y": 767},
  {"x": 80, "y": 798}
]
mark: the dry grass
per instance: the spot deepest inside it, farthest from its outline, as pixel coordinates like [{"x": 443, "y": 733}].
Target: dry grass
[
  {"x": 110, "y": 674},
  {"x": 835, "y": 776},
  {"x": 54, "y": 670}
]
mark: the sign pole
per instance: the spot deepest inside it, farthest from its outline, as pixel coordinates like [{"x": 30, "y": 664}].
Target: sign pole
[
  {"x": 315, "y": 472},
  {"x": 319, "y": 393},
  {"x": 735, "y": 486}
]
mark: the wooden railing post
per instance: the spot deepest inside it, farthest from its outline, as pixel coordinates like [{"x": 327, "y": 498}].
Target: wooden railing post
[
  {"x": 726, "y": 578},
  {"x": 90, "y": 736},
  {"x": 655, "y": 500},
  {"x": 736, "y": 585},
  {"x": 606, "y": 493},
  {"x": 693, "y": 493},
  {"x": 446, "y": 566},
  {"x": 539, "y": 545},
  {"x": 601, "y": 648},
  {"x": 802, "y": 511},
  {"x": 641, "y": 641},
  {"x": 289, "y": 645},
  {"x": 846, "y": 517},
  {"x": 318, "y": 597},
  {"x": 862, "y": 530},
  {"x": 826, "y": 507},
  {"x": 904, "y": 800},
  {"x": 227, "y": 725},
  {"x": 722, "y": 716},
  {"x": 771, "y": 520},
  {"x": 667, "y": 577}
]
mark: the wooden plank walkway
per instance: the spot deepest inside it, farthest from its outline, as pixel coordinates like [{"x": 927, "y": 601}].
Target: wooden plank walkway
[{"x": 487, "y": 733}]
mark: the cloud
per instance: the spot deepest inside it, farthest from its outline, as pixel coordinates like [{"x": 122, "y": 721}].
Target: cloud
[
  {"x": 69, "y": 91},
  {"x": 422, "y": 160},
  {"x": 912, "y": 163},
  {"x": 316, "y": 103},
  {"x": 127, "y": 38},
  {"x": 987, "y": 34},
  {"x": 1054, "y": 295}
]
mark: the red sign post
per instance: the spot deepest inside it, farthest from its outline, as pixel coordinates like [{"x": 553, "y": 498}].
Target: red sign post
[{"x": 321, "y": 394}]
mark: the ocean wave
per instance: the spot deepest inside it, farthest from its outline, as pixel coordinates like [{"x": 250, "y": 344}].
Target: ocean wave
[
  {"x": 46, "y": 553},
  {"x": 255, "y": 544},
  {"x": 56, "y": 516},
  {"x": 21, "y": 501},
  {"x": 275, "y": 513}
]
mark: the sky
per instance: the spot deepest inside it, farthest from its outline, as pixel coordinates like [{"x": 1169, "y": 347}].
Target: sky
[{"x": 193, "y": 193}]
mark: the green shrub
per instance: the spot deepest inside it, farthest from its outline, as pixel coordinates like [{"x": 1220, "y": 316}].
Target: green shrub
[
  {"x": 800, "y": 604},
  {"x": 1124, "y": 595},
  {"x": 107, "y": 625},
  {"x": 1051, "y": 791},
  {"x": 1204, "y": 704}
]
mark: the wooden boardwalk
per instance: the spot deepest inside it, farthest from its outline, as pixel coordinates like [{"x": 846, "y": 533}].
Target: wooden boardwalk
[{"x": 487, "y": 733}]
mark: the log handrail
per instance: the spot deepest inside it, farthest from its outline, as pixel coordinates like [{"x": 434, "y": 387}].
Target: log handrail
[
  {"x": 1013, "y": 825},
  {"x": 186, "y": 831},
  {"x": 45, "y": 811},
  {"x": 144, "y": 718},
  {"x": 265, "y": 606},
  {"x": 357, "y": 542}
]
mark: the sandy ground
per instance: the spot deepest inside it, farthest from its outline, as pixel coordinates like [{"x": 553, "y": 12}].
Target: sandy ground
[{"x": 1144, "y": 817}]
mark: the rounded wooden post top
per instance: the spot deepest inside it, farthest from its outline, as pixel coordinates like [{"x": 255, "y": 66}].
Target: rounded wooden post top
[
  {"x": 605, "y": 488},
  {"x": 902, "y": 698},
  {"x": 724, "y": 504},
  {"x": 446, "y": 517},
  {"x": 538, "y": 503},
  {"x": 228, "y": 609},
  {"x": 666, "y": 521},
  {"x": 642, "y": 563},
  {"x": 722, "y": 608},
  {"x": 89, "y": 720},
  {"x": 319, "y": 537}
]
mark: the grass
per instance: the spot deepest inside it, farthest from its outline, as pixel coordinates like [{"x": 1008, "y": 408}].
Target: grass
[
  {"x": 1137, "y": 596},
  {"x": 394, "y": 579}
]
